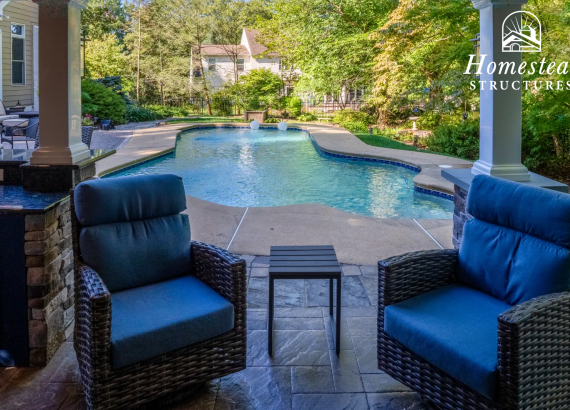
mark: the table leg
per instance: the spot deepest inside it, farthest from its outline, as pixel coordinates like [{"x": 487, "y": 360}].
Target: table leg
[
  {"x": 338, "y": 318},
  {"x": 270, "y": 325},
  {"x": 331, "y": 297}
]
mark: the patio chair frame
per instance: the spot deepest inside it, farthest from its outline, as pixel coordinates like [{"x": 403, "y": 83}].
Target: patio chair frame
[
  {"x": 21, "y": 138},
  {"x": 533, "y": 342},
  {"x": 165, "y": 377}
]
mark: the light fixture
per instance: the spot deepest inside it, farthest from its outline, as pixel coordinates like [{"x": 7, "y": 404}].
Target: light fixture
[
  {"x": 82, "y": 44},
  {"x": 477, "y": 46}
]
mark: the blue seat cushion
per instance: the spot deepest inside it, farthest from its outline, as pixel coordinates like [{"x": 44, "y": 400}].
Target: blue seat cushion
[
  {"x": 152, "y": 320},
  {"x": 510, "y": 265},
  {"x": 131, "y": 254},
  {"x": 455, "y": 329},
  {"x": 108, "y": 200}
]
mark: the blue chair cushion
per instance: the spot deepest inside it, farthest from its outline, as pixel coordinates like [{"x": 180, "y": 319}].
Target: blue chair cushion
[
  {"x": 455, "y": 329},
  {"x": 516, "y": 248},
  {"x": 510, "y": 265},
  {"x": 131, "y": 254},
  {"x": 152, "y": 320},
  {"x": 539, "y": 212},
  {"x": 108, "y": 200}
]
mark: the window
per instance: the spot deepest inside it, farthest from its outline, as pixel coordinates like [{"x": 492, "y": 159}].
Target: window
[
  {"x": 283, "y": 66},
  {"x": 289, "y": 90},
  {"x": 211, "y": 64},
  {"x": 18, "y": 54},
  {"x": 241, "y": 64}
]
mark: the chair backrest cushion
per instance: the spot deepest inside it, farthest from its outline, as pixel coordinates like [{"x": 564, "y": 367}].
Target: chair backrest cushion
[
  {"x": 132, "y": 254},
  {"x": 133, "y": 233},
  {"x": 516, "y": 248},
  {"x": 123, "y": 199}
]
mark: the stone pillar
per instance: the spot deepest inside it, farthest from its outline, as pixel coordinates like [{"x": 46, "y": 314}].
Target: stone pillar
[
  {"x": 501, "y": 110},
  {"x": 49, "y": 266},
  {"x": 60, "y": 83}
]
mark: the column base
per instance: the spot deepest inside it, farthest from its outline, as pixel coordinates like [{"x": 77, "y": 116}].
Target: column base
[
  {"x": 518, "y": 173},
  {"x": 58, "y": 156}
]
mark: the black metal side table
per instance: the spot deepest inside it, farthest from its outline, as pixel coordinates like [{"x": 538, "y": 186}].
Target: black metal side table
[{"x": 305, "y": 262}]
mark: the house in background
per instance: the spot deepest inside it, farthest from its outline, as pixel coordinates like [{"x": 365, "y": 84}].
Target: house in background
[
  {"x": 226, "y": 62},
  {"x": 220, "y": 62},
  {"x": 19, "y": 50}
]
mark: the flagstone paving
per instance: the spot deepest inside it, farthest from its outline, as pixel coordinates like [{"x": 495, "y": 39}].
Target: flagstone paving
[{"x": 304, "y": 372}]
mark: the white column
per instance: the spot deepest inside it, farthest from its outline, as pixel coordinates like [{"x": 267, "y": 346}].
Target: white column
[
  {"x": 36, "y": 45},
  {"x": 60, "y": 84},
  {"x": 501, "y": 110}
]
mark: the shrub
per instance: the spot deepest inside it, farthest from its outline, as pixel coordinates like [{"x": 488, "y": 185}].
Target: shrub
[
  {"x": 102, "y": 102},
  {"x": 356, "y": 121},
  {"x": 294, "y": 106},
  {"x": 258, "y": 89},
  {"x": 136, "y": 113},
  {"x": 164, "y": 111},
  {"x": 115, "y": 83},
  {"x": 354, "y": 126},
  {"x": 307, "y": 117},
  {"x": 461, "y": 140},
  {"x": 222, "y": 105},
  {"x": 271, "y": 120}
]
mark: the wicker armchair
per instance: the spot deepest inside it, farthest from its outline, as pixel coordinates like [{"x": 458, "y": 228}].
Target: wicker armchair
[
  {"x": 533, "y": 347},
  {"x": 164, "y": 377}
]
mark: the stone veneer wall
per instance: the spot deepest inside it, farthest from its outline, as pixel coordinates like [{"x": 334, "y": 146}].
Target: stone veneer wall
[
  {"x": 49, "y": 268},
  {"x": 460, "y": 216}
]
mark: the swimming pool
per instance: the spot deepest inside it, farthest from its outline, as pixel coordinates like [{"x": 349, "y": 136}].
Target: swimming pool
[{"x": 266, "y": 167}]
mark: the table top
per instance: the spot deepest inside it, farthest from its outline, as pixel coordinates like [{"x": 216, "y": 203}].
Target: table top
[
  {"x": 28, "y": 114},
  {"x": 303, "y": 262}
]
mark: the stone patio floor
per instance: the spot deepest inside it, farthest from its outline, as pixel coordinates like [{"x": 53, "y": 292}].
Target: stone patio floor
[{"x": 304, "y": 372}]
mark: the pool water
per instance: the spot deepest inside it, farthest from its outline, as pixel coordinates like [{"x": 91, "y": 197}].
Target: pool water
[{"x": 267, "y": 167}]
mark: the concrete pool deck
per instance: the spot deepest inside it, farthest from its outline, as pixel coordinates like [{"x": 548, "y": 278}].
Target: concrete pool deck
[{"x": 357, "y": 239}]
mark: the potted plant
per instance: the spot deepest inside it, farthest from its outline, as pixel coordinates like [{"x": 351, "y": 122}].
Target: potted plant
[{"x": 87, "y": 129}]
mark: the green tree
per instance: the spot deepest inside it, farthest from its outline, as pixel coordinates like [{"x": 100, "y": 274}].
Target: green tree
[
  {"x": 423, "y": 49},
  {"x": 104, "y": 57},
  {"x": 327, "y": 40},
  {"x": 258, "y": 89},
  {"x": 102, "y": 17}
]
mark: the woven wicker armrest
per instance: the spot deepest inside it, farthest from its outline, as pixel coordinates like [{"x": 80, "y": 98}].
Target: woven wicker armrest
[
  {"x": 92, "y": 338},
  {"x": 405, "y": 276},
  {"x": 534, "y": 354},
  {"x": 221, "y": 270}
]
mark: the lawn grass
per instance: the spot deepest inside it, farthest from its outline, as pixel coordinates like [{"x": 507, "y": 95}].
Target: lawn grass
[{"x": 385, "y": 142}]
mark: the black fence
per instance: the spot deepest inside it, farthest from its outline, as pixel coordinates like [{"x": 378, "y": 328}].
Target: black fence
[{"x": 227, "y": 107}]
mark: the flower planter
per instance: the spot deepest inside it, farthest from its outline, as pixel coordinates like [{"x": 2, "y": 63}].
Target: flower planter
[
  {"x": 259, "y": 116},
  {"x": 86, "y": 134}
]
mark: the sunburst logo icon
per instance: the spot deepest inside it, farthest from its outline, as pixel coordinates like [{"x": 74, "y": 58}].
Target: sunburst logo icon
[{"x": 522, "y": 33}]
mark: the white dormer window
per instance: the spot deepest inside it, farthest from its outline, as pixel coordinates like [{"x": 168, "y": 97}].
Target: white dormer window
[
  {"x": 240, "y": 64},
  {"x": 18, "y": 54},
  {"x": 211, "y": 64}
]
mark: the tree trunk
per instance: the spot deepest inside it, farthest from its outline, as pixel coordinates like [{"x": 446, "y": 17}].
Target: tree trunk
[
  {"x": 206, "y": 91},
  {"x": 558, "y": 146},
  {"x": 139, "y": 55}
]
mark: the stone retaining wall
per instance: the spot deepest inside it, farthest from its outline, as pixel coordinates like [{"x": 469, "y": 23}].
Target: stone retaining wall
[{"x": 49, "y": 268}]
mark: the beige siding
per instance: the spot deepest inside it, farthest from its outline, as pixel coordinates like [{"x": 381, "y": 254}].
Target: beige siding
[{"x": 19, "y": 12}]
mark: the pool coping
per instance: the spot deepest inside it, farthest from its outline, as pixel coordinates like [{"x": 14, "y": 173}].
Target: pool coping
[{"x": 149, "y": 144}]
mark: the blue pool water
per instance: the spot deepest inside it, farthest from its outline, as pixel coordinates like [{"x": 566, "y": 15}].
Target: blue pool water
[{"x": 264, "y": 168}]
